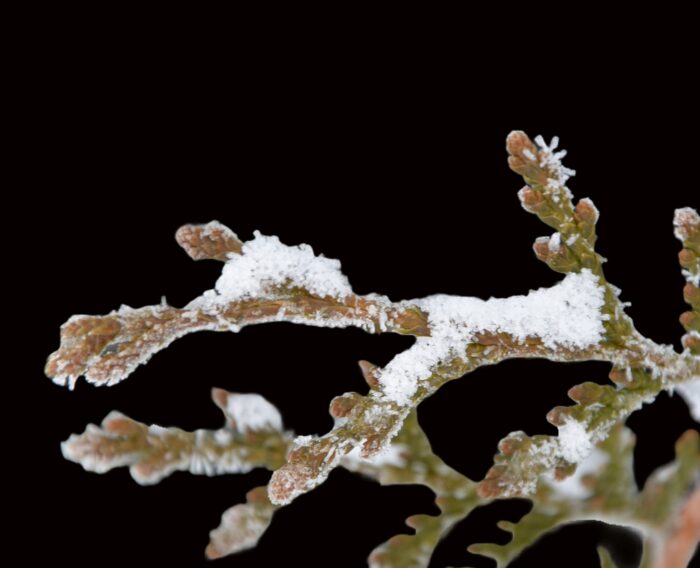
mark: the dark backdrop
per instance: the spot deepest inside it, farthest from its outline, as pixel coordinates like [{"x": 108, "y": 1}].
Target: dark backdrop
[{"x": 395, "y": 167}]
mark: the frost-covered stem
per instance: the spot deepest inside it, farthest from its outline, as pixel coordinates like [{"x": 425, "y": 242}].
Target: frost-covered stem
[{"x": 106, "y": 349}]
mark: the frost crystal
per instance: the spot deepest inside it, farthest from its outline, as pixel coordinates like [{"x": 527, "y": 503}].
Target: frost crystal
[
  {"x": 265, "y": 262},
  {"x": 552, "y": 161}
]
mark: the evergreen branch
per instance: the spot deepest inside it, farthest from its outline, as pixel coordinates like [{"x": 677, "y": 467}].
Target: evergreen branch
[{"x": 580, "y": 318}]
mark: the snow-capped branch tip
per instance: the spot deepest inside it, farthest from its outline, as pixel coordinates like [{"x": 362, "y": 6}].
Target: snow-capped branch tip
[
  {"x": 263, "y": 280},
  {"x": 107, "y": 349},
  {"x": 252, "y": 437},
  {"x": 247, "y": 412},
  {"x": 572, "y": 247},
  {"x": 210, "y": 241},
  {"x": 686, "y": 222},
  {"x": 539, "y": 163}
]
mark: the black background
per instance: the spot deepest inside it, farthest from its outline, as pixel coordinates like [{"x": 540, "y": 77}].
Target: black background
[{"x": 391, "y": 161}]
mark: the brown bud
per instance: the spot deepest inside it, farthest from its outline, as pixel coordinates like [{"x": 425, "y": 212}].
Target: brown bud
[
  {"x": 586, "y": 212},
  {"x": 517, "y": 142},
  {"x": 586, "y": 393},
  {"x": 586, "y": 216},
  {"x": 691, "y": 294},
  {"x": 620, "y": 376},
  {"x": 220, "y": 397},
  {"x": 541, "y": 248},
  {"x": 368, "y": 372},
  {"x": 442, "y": 501},
  {"x": 557, "y": 415},
  {"x": 690, "y": 321},
  {"x": 211, "y": 241},
  {"x": 496, "y": 472},
  {"x": 117, "y": 423},
  {"x": 692, "y": 342},
  {"x": 509, "y": 444},
  {"x": 492, "y": 485},
  {"x": 342, "y": 405},
  {"x": 532, "y": 200},
  {"x": 563, "y": 471},
  {"x": 687, "y": 258},
  {"x": 558, "y": 257}
]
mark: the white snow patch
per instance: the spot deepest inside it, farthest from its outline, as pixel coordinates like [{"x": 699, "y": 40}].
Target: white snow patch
[
  {"x": 223, "y": 437},
  {"x": 391, "y": 456},
  {"x": 691, "y": 394},
  {"x": 694, "y": 279},
  {"x": 253, "y": 412},
  {"x": 266, "y": 262},
  {"x": 529, "y": 155},
  {"x": 155, "y": 430},
  {"x": 666, "y": 473},
  {"x": 554, "y": 242},
  {"x": 572, "y": 239},
  {"x": 575, "y": 442},
  {"x": 302, "y": 441},
  {"x": 566, "y": 315}
]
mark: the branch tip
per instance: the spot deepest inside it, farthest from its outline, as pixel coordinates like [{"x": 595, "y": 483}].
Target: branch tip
[{"x": 210, "y": 241}]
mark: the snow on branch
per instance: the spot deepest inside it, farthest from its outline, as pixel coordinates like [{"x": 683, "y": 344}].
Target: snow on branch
[{"x": 580, "y": 318}]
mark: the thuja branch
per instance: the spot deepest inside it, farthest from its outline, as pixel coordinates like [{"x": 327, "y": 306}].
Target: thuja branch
[{"x": 579, "y": 319}]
